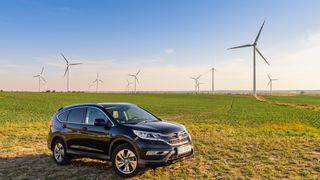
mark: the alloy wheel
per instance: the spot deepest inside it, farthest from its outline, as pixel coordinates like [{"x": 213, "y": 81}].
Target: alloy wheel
[{"x": 126, "y": 161}]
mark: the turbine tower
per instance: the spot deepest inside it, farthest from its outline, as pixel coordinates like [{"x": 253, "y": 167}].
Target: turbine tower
[
  {"x": 128, "y": 85},
  {"x": 212, "y": 70},
  {"x": 67, "y": 72},
  {"x": 136, "y": 80},
  {"x": 255, "y": 49},
  {"x": 196, "y": 83},
  {"x": 41, "y": 78},
  {"x": 270, "y": 82},
  {"x": 97, "y": 82}
]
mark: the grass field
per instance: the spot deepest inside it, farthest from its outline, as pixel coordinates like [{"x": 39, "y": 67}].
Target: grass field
[{"x": 234, "y": 136}]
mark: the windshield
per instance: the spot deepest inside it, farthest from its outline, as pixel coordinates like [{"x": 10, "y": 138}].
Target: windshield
[{"x": 128, "y": 114}]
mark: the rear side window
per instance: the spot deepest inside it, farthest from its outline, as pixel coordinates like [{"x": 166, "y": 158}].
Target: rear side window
[
  {"x": 77, "y": 115},
  {"x": 63, "y": 116}
]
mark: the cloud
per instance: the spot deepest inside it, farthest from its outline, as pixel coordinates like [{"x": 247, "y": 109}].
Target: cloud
[{"x": 168, "y": 51}]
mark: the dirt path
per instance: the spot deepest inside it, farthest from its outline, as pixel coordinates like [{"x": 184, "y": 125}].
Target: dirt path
[{"x": 300, "y": 106}]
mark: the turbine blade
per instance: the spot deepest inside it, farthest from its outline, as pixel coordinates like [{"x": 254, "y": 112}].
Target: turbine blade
[
  {"x": 94, "y": 81},
  {"x": 65, "y": 58},
  {"x": 138, "y": 72},
  {"x": 44, "y": 80},
  {"x": 100, "y": 80},
  {"x": 137, "y": 80},
  {"x": 42, "y": 70},
  {"x": 243, "y": 46},
  {"x": 262, "y": 56},
  {"x": 257, "y": 38},
  {"x": 72, "y": 64},
  {"x": 36, "y": 76},
  {"x": 268, "y": 76},
  {"x": 269, "y": 83},
  {"x": 67, "y": 69},
  {"x": 131, "y": 75}
]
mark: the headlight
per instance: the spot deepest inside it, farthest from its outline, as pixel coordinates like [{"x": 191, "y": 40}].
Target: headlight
[{"x": 148, "y": 135}]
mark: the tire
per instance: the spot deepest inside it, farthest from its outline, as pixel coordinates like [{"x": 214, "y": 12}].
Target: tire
[
  {"x": 125, "y": 161},
  {"x": 59, "y": 152}
]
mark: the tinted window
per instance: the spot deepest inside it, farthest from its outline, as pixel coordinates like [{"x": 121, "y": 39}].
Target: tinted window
[
  {"x": 77, "y": 115},
  {"x": 94, "y": 114},
  {"x": 63, "y": 116}
]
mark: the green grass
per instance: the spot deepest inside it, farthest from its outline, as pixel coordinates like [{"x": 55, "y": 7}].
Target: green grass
[{"x": 234, "y": 136}]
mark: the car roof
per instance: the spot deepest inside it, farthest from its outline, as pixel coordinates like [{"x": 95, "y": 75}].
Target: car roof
[
  {"x": 117, "y": 103},
  {"x": 96, "y": 105}
]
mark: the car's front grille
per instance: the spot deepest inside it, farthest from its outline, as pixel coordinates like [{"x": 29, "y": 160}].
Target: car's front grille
[
  {"x": 181, "y": 137},
  {"x": 178, "y": 141}
]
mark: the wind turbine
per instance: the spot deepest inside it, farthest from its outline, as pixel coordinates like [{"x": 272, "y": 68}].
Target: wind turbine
[
  {"x": 212, "y": 70},
  {"x": 270, "y": 82},
  {"x": 196, "y": 82},
  {"x": 199, "y": 86},
  {"x": 128, "y": 85},
  {"x": 97, "y": 82},
  {"x": 136, "y": 80},
  {"x": 67, "y": 72},
  {"x": 90, "y": 85},
  {"x": 41, "y": 78},
  {"x": 255, "y": 49}
]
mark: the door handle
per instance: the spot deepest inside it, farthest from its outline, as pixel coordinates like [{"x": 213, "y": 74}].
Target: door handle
[
  {"x": 64, "y": 125},
  {"x": 84, "y": 128}
]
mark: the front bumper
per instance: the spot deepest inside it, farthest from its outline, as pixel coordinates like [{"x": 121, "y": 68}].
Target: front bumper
[
  {"x": 165, "y": 161},
  {"x": 162, "y": 160}
]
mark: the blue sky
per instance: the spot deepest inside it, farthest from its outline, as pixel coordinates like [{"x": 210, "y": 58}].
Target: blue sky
[{"x": 120, "y": 36}]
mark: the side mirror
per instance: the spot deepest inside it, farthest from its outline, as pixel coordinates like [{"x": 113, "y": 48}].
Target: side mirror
[{"x": 100, "y": 122}]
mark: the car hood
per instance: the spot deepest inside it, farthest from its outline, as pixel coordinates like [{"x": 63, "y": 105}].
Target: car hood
[{"x": 164, "y": 127}]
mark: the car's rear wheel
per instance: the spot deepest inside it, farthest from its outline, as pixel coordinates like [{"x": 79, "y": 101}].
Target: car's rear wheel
[
  {"x": 59, "y": 152},
  {"x": 125, "y": 161}
]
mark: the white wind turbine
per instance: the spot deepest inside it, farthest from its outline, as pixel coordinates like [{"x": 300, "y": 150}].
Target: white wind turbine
[
  {"x": 199, "y": 83},
  {"x": 67, "y": 72},
  {"x": 41, "y": 78},
  {"x": 196, "y": 83},
  {"x": 97, "y": 82},
  {"x": 128, "y": 85},
  {"x": 270, "y": 82},
  {"x": 89, "y": 86},
  {"x": 136, "y": 80},
  {"x": 255, "y": 49}
]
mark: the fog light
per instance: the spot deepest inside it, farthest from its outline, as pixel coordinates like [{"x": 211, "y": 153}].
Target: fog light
[{"x": 156, "y": 153}]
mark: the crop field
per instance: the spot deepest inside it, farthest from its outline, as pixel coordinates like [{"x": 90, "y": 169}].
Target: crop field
[{"x": 234, "y": 136}]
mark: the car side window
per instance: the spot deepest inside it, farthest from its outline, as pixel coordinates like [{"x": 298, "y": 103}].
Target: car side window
[
  {"x": 77, "y": 115},
  {"x": 94, "y": 114},
  {"x": 63, "y": 116}
]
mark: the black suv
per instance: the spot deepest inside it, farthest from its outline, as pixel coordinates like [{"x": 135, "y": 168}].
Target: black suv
[{"x": 129, "y": 136}]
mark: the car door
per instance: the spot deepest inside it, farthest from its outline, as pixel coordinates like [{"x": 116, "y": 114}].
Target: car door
[
  {"x": 74, "y": 125},
  {"x": 96, "y": 138}
]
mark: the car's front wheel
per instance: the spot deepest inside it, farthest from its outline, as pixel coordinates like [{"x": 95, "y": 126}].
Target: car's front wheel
[
  {"x": 59, "y": 152},
  {"x": 125, "y": 161}
]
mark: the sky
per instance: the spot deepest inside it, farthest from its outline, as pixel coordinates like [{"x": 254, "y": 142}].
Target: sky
[{"x": 169, "y": 40}]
